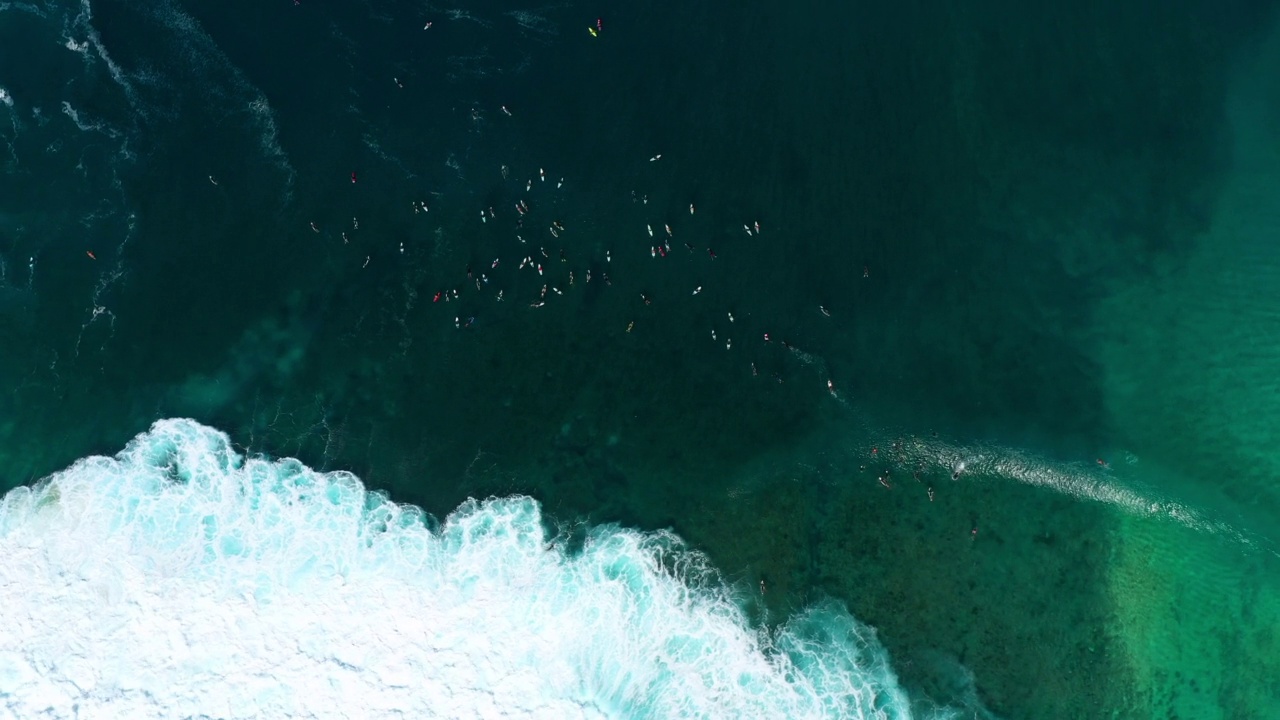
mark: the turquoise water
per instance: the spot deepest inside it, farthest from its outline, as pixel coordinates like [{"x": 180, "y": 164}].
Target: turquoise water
[{"x": 992, "y": 377}]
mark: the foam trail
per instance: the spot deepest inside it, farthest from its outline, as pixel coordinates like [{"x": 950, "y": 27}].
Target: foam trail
[
  {"x": 86, "y": 125},
  {"x": 84, "y": 22},
  {"x": 200, "y": 51},
  {"x": 1080, "y": 481},
  {"x": 22, "y": 7},
  {"x": 178, "y": 579},
  {"x": 541, "y": 27}
]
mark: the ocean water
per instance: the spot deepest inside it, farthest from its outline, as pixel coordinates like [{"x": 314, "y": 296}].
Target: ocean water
[{"x": 665, "y": 360}]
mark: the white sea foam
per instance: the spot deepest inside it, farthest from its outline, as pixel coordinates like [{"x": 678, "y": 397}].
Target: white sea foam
[
  {"x": 87, "y": 125},
  {"x": 5, "y": 98},
  {"x": 21, "y": 7},
  {"x": 534, "y": 23},
  {"x": 203, "y": 56},
  {"x": 178, "y": 579},
  {"x": 84, "y": 22},
  {"x": 371, "y": 141},
  {"x": 458, "y": 14},
  {"x": 1078, "y": 480}
]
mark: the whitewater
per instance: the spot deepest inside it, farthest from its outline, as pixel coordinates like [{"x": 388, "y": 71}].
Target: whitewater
[{"x": 182, "y": 579}]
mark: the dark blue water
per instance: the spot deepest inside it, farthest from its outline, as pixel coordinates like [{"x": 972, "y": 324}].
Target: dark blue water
[{"x": 440, "y": 258}]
